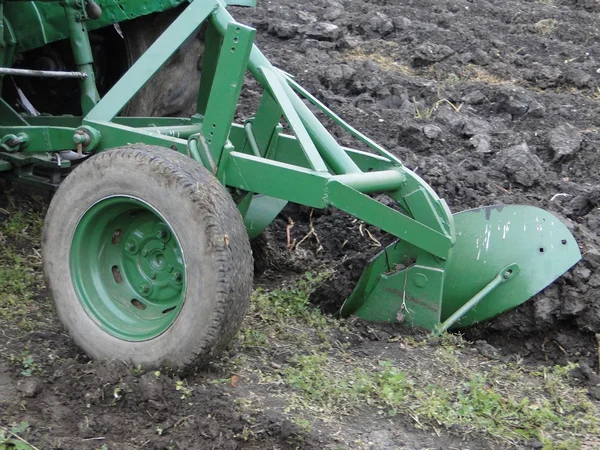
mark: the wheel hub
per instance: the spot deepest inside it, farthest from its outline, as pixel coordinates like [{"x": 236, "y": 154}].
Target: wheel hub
[{"x": 128, "y": 268}]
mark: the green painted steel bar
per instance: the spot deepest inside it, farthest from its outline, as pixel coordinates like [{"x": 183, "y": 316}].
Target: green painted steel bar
[
  {"x": 287, "y": 150},
  {"x": 338, "y": 120},
  {"x": 276, "y": 179},
  {"x": 134, "y": 122},
  {"x": 377, "y": 214},
  {"x": 306, "y": 144},
  {"x": 387, "y": 180},
  {"x": 318, "y": 190},
  {"x": 226, "y": 86},
  {"x": 82, "y": 52},
  {"x": 151, "y": 61},
  {"x": 37, "y": 23},
  {"x": 329, "y": 148},
  {"x": 43, "y": 139},
  {"x": 266, "y": 74},
  {"x": 212, "y": 48},
  {"x": 195, "y": 153},
  {"x": 506, "y": 274},
  {"x": 251, "y": 139},
  {"x": 266, "y": 121},
  {"x": 9, "y": 116},
  {"x": 115, "y": 135},
  {"x": 178, "y": 131}
]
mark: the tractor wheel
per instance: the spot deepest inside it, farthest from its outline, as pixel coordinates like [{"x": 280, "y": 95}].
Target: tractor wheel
[{"x": 147, "y": 259}]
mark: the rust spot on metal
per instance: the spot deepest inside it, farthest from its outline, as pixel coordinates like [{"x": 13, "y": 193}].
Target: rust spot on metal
[{"x": 488, "y": 210}]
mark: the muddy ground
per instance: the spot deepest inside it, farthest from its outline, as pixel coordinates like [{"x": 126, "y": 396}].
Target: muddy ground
[{"x": 490, "y": 103}]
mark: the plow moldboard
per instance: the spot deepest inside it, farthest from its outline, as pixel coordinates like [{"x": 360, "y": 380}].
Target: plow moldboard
[{"x": 490, "y": 238}]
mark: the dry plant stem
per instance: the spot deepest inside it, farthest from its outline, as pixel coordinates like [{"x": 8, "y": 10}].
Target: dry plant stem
[
  {"x": 311, "y": 232},
  {"x": 288, "y": 228}
]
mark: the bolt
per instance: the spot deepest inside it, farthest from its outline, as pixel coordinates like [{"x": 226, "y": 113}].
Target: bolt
[
  {"x": 161, "y": 234},
  {"x": 144, "y": 252},
  {"x": 131, "y": 247},
  {"x": 176, "y": 277},
  {"x": 144, "y": 288}
]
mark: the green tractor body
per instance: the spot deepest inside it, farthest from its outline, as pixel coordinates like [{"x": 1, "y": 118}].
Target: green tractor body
[{"x": 129, "y": 266}]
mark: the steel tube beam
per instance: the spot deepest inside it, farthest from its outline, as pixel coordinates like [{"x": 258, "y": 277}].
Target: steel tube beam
[
  {"x": 42, "y": 73},
  {"x": 385, "y": 180}
]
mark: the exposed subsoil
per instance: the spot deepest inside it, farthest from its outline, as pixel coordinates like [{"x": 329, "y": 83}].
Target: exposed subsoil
[{"x": 524, "y": 78}]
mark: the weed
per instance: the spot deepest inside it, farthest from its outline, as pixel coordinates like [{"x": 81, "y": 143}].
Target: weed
[
  {"x": 427, "y": 113},
  {"x": 182, "y": 387},
  {"x": 20, "y": 278},
  {"x": 25, "y": 360},
  {"x": 508, "y": 403},
  {"x": 10, "y": 437},
  {"x": 17, "y": 285},
  {"x": 385, "y": 60},
  {"x": 285, "y": 315},
  {"x": 474, "y": 405},
  {"x": 305, "y": 425},
  {"x": 137, "y": 370},
  {"x": 481, "y": 75}
]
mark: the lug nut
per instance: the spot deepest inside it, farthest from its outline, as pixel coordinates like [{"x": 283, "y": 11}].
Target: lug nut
[
  {"x": 130, "y": 247},
  {"x": 161, "y": 234},
  {"x": 144, "y": 288},
  {"x": 177, "y": 277}
]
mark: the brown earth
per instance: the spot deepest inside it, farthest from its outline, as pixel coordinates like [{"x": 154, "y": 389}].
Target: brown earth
[{"x": 490, "y": 103}]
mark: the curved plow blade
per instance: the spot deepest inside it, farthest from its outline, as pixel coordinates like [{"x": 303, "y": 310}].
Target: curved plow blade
[
  {"x": 503, "y": 255},
  {"x": 491, "y": 238}
]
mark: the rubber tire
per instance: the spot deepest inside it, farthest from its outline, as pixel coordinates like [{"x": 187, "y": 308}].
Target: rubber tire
[{"x": 212, "y": 236}]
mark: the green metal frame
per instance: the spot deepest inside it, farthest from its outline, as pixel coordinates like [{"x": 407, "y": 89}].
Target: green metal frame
[{"x": 262, "y": 167}]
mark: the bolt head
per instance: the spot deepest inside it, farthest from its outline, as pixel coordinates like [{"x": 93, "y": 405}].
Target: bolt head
[
  {"x": 161, "y": 234},
  {"x": 177, "y": 277},
  {"x": 144, "y": 288}
]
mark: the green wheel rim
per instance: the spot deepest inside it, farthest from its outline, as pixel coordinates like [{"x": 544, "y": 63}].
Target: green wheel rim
[{"x": 128, "y": 268}]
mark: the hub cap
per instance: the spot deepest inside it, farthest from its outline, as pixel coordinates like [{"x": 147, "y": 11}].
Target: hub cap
[{"x": 128, "y": 268}]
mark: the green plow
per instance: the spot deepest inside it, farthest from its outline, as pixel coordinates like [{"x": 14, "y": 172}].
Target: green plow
[
  {"x": 502, "y": 256},
  {"x": 444, "y": 271}
]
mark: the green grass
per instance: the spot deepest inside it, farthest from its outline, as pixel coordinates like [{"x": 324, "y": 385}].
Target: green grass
[
  {"x": 285, "y": 315},
  {"x": 10, "y": 438},
  {"x": 506, "y": 403},
  {"x": 20, "y": 264}
]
